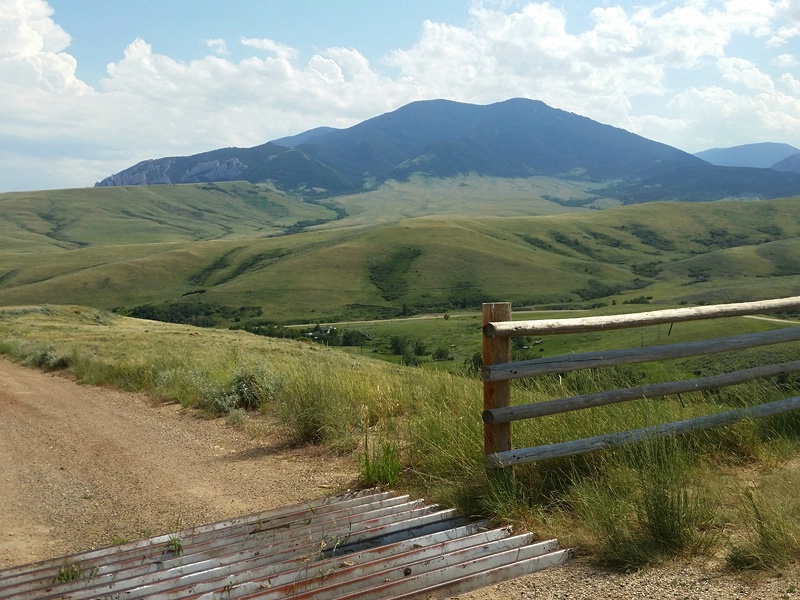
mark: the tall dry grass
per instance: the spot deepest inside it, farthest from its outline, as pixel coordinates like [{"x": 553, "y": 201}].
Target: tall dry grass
[{"x": 421, "y": 430}]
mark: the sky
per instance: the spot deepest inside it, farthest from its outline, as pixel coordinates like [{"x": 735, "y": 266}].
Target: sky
[{"x": 90, "y": 87}]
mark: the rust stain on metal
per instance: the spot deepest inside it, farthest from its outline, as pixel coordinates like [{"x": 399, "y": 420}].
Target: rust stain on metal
[{"x": 360, "y": 545}]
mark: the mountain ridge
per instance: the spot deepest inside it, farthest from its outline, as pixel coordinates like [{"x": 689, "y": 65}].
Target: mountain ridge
[
  {"x": 760, "y": 155},
  {"x": 790, "y": 163},
  {"x": 440, "y": 138}
]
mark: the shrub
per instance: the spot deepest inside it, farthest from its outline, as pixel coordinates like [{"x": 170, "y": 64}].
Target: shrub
[
  {"x": 441, "y": 353},
  {"x": 410, "y": 358},
  {"x": 398, "y": 344},
  {"x": 248, "y": 388},
  {"x": 48, "y": 358},
  {"x": 254, "y": 387}
]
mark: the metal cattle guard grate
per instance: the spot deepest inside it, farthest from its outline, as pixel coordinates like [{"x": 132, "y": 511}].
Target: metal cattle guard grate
[{"x": 360, "y": 545}]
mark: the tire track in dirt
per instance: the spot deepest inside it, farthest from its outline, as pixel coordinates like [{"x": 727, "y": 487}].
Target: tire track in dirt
[{"x": 81, "y": 466}]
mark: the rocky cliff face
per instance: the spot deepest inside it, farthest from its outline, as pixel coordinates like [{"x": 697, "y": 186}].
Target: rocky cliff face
[
  {"x": 214, "y": 171},
  {"x": 152, "y": 172},
  {"x": 144, "y": 173}
]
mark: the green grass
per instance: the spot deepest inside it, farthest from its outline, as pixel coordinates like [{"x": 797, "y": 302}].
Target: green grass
[
  {"x": 381, "y": 465},
  {"x": 427, "y": 246},
  {"x": 174, "y": 546},
  {"x": 772, "y": 537},
  {"x": 71, "y": 572},
  {"x": 420, "y": 430},
  {"x": 461, "y": 196},
  {"x": 124, "y": 247}
]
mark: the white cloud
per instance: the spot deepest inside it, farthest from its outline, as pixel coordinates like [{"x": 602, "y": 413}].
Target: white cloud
[
  {"x": 683, "y": 36},
  {"x": 788, "y": 10},
  {"x": 218, "y": 46},
  {"x": 26, "y": 29},
  {"x": 789, "y": 83},
  {"x": 785, "y": 61},
  {"x": 280, "y": 50},
  {"x": 731, "y": 118},
  {"x": 754, "y": 17},
  {"x": 738, "y": 70},
  {"x": 31, "y": 45}
]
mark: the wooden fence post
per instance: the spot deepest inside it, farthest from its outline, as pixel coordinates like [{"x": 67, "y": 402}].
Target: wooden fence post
[{"x": 496, "y": 394}]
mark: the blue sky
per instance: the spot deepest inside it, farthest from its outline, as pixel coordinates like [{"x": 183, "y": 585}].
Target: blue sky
[
  {"x": 89, "y": 87},
  {"x": 180, "y": 28}
]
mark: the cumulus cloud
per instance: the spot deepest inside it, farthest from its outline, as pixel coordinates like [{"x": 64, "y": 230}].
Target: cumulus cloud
[
  {"x": 27, "y": 29},
  {"x": 785, "y": 61},
  {"x": 218, "y": 46},
  {"x": 731, "y": 118},
  {"x": 790, "y": 84},
  {"x": 668, "y": 71},
  {"x": 738, "y": 70},
  {"x": 31, "y": 49}
]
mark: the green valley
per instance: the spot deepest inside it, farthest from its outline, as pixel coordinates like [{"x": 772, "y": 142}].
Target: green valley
[{"x": 263, "y": 255}]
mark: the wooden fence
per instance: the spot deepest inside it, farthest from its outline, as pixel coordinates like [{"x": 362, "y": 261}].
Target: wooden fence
[{"x": 498, "y": 371}]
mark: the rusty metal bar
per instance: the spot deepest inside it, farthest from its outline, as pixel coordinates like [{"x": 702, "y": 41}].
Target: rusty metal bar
[
  {"x": 322, "y": 505},
  {"x": 371, "y": 545}
]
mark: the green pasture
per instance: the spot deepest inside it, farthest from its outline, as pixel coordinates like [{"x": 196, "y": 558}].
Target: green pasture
[{"x": 462, "y": 196}]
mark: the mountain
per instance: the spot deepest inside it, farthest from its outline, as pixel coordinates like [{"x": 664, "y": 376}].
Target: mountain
[
  {"x": 514, "y": 138},
  {"x": 295, "y": 140},
  {"x": 284, "y": 167},
  {"x": 762, "y": 155},
  {"x": 707, "y": 182},
  {"x": 790, "y": 163},
  {"x": 517, "y": 138}
]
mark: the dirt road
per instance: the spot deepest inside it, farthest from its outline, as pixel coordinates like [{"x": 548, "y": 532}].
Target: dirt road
[{"x": 82, "y": 466}]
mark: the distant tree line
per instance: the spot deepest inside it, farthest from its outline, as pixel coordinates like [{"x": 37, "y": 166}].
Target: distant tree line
[
  {"x": 329, "y": 336},
  {"x": 199, "y": 314}
]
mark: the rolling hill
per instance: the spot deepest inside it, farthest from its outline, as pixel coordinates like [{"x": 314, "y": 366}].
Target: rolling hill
[
  {"x": 239, "y": 253},
  {"x": 56, "y": 220},
  {"x": 762, "y": 155},
  {"x": 517, "y": 138},
  {"x": 790, "y": 163}
]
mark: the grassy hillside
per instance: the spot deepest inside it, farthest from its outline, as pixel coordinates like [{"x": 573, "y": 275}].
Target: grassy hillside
[
  {"x": 231, "y": 249},
  {"x": 464, "y": 195},
  {"x": 53, "y": 220},
  {"x": 720, "y": 493}
]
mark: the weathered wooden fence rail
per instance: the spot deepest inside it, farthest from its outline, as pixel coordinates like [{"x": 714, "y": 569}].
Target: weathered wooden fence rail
[{"x": 499, "y": 370}]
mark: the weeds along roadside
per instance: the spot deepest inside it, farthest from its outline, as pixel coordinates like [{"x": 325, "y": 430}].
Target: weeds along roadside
[{"x": 420, "y": 430}]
